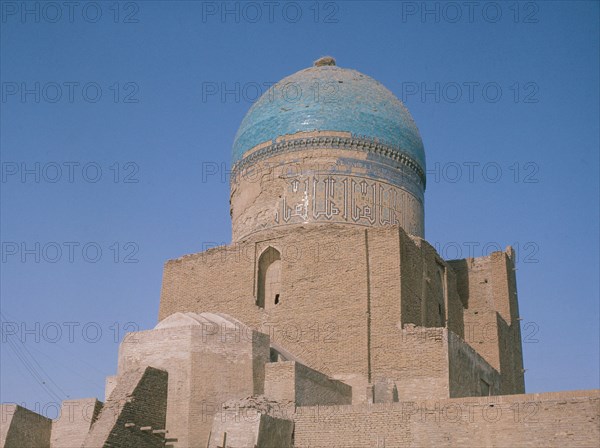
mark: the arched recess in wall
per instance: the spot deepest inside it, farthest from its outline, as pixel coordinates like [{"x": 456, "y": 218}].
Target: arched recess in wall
[
  {"x": 269, "y": 279},
  {"x": 441, "y": 299}
]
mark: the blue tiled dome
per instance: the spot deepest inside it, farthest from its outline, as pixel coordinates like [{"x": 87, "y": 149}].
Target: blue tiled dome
[{"x": 330, "y": 98}]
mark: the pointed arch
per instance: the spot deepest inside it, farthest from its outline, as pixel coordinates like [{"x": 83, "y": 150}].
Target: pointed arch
[{"x": 269, "y": 279}]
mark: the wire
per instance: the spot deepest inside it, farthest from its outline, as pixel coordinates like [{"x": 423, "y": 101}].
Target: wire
[{"x": 31, "y": 364}]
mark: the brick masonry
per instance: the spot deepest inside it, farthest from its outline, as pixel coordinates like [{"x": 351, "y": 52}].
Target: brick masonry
[
  {"x": 294, "y": 382},
  {"x": 345, "y": 182},
  {"x": 74, "y": 422},
  {"x": 549, "y": 420},
  {"x": 363, "y": 305},
  {"x": 20, "y": 427},
  {"x": 343, "y": 305},
  {"x": 136, "y": 408},
  {"x": 250, "y": 423},
  {"x": 209, "y": 361}
]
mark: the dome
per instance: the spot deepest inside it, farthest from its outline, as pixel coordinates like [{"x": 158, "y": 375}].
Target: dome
[
  {"x": 337, "y": 148},
  {"x": 180, "y": 319},
  {"x": 329, "y": 98}
]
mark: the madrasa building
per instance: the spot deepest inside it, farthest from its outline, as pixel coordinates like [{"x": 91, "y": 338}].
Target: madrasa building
[{"x": 329, "y": 321}]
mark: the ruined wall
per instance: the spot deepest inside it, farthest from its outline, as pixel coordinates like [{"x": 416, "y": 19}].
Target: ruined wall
[
  {"x": 553, "y": 420},
  {"x": 75, "y": 420},
  {"x": 384, "y": 304},
  {"x": 168, "y": 349},
  {"x": 421, "y": 364},
  {"x": 280, "y": 381},
  {"x": 340, "y": 307},
  {"x": 345, "y": 295},
  {"x": 499, "y": 344},
  {"x": 412, "y": 280},
  {"x": 275, "y": 432},
  {"x": 321, "y": 317},
  {"x": 514, "y": 347},
  {"x": 314, "y": 388},
  {"x": 414, "y": 358},
  {"x": 488, "y": 287},
  {"x": 207, "y": 364},
  {"x": 20, "y": 427},
  {"x": 469, "y": 374},
  {"x": 429, "y": 293},
  {"x": 434, "y": 363},
  {"x": 482, "y": 333},
  {"x": 250, "y": 428},
  {"x": 136, "y": 408},
  {"x": 294, "y": 382},
  {"x": 235, "y": 431},
  {"x": 454, "y": 304},
  {"x": 109, "y": 385}
]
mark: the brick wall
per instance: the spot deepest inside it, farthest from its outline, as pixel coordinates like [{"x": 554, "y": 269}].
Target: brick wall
[
  {"x": 207, "y": 364},
  {"x": 280, "y": 381},
  {"x": 250, "y": 428},
  {"x": 292, "y": 381},
  {"x": 321, "y": 317},
  {"x": 422, "y": 370},
  {"x": 138, "y": 401},
  {"x": 346, "y": 295},
  {"x": 20, "y": 427},
  {"x": 469, "y": 374},
  {"x": 491, "y": 318},
  {"x": 556, "y": 419},
  {"x": 72, "y": 426}
]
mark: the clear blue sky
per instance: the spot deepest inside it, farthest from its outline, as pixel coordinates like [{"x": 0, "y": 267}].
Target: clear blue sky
[{"x": 132, "y": 99}]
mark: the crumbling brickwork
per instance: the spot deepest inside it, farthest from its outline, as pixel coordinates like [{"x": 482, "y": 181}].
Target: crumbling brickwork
[{"x": 253, "y": 422}]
